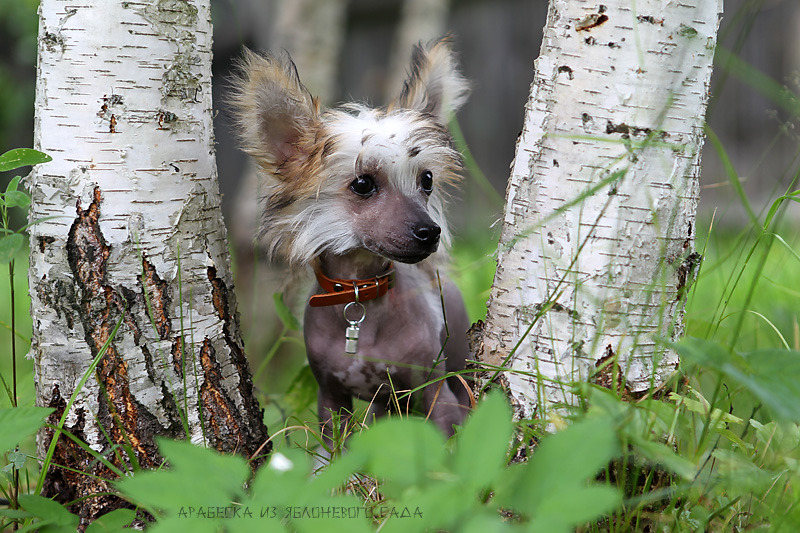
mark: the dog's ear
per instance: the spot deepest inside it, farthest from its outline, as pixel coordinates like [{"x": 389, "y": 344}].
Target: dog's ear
[
  {"x": 271, "y": 108},
  {"x": 434, "y": 85}
]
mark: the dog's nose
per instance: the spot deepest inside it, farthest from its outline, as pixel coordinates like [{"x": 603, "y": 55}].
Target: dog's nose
[{"x": 426, "y": 234}]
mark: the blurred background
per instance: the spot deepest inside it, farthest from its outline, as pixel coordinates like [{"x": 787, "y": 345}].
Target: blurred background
[{"x": 359, "y": 49}]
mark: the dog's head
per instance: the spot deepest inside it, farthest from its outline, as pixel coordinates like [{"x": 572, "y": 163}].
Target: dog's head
[{"x": 354, "y": 177}]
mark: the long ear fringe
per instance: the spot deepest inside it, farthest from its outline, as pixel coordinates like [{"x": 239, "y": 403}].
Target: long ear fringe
[
  {"x": 434, "y": 84},
  {"x": 270, "y": 107}
]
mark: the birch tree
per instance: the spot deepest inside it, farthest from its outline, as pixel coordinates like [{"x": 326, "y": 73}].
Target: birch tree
[
  {"x": 596, "y": 251},
  {"x": 132, "y": 270}
]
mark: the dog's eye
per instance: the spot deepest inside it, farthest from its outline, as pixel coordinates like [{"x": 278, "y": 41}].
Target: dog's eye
[
  {"x": 426, "y": 181},
  {"x": 364, "y": 185}
]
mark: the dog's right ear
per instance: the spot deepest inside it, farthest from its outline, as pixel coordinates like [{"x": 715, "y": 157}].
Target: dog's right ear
[
  {"x": 272, "y": 109},
  {"x": 434, "y": 85}
]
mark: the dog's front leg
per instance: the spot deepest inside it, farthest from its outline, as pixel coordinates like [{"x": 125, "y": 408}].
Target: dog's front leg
[
  {"x": 443, "y": 407},
  {"x": 334, "y": 411}
]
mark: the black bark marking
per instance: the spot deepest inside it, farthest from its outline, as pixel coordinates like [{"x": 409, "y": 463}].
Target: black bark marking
[
  {"x": 687, "y": 272},
  {"x": 592, "y": 21},
  {"x": 609, "y": 375},
  {"x": 157, "y": 292},
  {"x": 219, "y": 411},
  {"x": 77, "y": 474},
  {"x": 177, "y": 355},
  {"x": 59, "y": 296},
  {"x": 100, "y": 305},
  {"x": 44, "y": 242},
  {"x": 636, "y": 131},
  {"x": 255, "y": 432},
  {"x": 650, "y": 19},
  {"x": 166, "y": 117}
]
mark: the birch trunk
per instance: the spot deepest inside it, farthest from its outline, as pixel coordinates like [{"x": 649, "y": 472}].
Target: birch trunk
[
  {"x": 123, "y": 105},
  {"x": 596, "y": 251}
]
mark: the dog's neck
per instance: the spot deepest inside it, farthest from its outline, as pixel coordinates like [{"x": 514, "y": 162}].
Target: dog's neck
[{"x": 357, "y": 264}]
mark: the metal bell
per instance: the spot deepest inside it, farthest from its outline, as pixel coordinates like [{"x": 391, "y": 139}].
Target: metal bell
[{"x": 351, "y": 338}]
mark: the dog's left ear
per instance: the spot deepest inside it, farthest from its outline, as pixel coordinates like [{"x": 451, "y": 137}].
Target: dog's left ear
[
  {"x": 434, "y": 85},
  {"x": 272, "y": 109}
]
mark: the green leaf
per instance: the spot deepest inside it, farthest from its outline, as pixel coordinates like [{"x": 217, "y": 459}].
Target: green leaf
[
  {"x": 114, "y": 521},
  {"x": 281, "y": 478},
  {"x": 283, "y": 486},
  {"x": 12, "y": 185},
  {"x": 194, "y": 525},
  {"x": 284, "y": 313},
  {"x": 483, "y": 522},
  {"x": 483, "y": 441},
  {"x": 407, "y": 452},
  {"x": 661, "y": 454},
  {"x": 301, "y": 393},
  {"x": 16, "y": 199},
  {"x": 702, "y": 407},
  {"x": 739, "y": 475},
  {"x": 49, "y": 511},
  {"x": 15, "y": 514},
  {"x": 584, "y": 504},
  {"x": 438, "y": 507},
  {"x": 196, "y": 476},
  {"x": 771, "y": 376},
  {"x": 10, "y": 245},
  {"x": 17, "y": 458},
  {"x": 19, "y": 423},
  {"x": 559, "y": 470},
  {"x": 22, "y": 157}
]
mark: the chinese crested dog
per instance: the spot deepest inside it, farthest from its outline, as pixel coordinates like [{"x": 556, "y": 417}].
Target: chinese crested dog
[{"x": 356, "y": 193}]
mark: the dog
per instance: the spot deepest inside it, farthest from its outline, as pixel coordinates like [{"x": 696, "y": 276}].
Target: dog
[{"x": 357, "y": 194}]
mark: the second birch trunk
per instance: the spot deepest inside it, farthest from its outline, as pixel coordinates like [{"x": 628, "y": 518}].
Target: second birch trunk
[{"x": 596, "y": 251}]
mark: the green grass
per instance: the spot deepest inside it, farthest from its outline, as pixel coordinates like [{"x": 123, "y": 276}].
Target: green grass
[
  {"x": 737, "y": 299},
  {"x": 25, "y": 388}
]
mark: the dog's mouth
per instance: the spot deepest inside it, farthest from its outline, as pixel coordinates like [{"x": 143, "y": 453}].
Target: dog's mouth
[
  {"x": 408, "y": 258},
  {"x": 409, "y": 255},
  {"x": 411, "y": 242}
]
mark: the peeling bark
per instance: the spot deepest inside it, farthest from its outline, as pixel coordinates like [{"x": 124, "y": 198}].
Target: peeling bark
[
  {"x": 596, "y": 251},
  {"x": 136, "y": 238}
]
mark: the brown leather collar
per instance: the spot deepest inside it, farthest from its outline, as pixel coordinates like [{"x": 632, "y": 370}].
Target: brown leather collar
[{"x": 342, "y": 291}]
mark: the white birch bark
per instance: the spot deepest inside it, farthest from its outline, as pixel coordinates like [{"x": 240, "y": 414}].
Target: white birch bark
[
  {"x": 123, "y": 105},
  {"x": 588, "y": 284}
]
